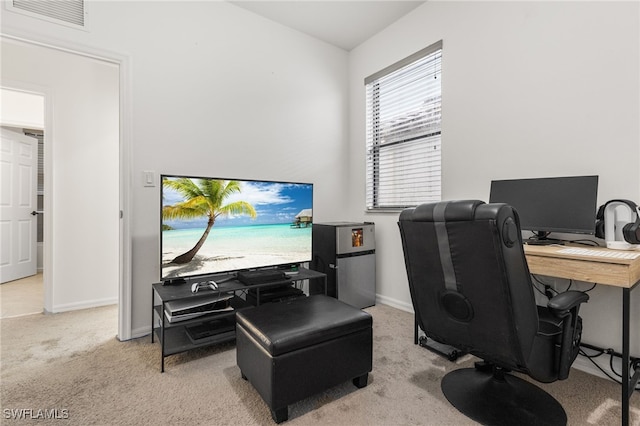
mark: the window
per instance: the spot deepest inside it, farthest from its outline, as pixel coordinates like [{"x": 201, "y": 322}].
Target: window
[{"x": 403, "y": 132}]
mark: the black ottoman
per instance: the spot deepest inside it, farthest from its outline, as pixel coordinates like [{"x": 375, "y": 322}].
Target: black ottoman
[{"x": 291, "y": 350}]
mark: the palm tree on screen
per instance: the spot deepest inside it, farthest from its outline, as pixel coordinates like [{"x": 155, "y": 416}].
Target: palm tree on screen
[{"x": 203, "y": 198}]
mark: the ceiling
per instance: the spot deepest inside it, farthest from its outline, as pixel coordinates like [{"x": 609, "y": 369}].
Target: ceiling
[{"x": 344, "y": 24}]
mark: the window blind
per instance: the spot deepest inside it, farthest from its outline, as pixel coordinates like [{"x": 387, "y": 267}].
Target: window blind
[{"x": 403, "y": 138}]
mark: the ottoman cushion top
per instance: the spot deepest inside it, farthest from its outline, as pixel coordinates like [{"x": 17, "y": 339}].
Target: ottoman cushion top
[{"x": 286, "y": 326}]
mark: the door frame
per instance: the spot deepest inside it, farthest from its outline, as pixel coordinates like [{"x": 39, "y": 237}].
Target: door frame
[{"x": 125, "y": 137}]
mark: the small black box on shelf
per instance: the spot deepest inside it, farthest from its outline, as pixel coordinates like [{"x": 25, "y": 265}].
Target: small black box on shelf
[
  {"x": 260, "y": 276},
  {"x": 210, "y": 329},
  {"x": 274, "y": 294}
]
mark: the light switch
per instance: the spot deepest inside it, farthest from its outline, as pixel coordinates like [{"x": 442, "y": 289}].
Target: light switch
[{"x": 149, "y": 178}]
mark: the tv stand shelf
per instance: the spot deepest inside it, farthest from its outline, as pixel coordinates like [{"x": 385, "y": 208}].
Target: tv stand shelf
[{"x": 174, "y": 337}]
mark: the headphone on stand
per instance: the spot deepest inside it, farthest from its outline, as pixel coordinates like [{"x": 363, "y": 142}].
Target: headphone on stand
[{"x": 630, "y": 231}]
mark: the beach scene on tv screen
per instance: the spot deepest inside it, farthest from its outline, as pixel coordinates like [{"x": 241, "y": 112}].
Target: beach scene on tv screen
[{"x": 211, "y": 226}]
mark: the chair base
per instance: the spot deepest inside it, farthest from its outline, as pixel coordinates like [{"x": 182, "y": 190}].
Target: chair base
[
  {"x": 441, "y": 349},
  {"x": 501, "y": 399}
]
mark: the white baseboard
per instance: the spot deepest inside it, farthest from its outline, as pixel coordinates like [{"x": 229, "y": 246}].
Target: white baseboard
[
  {"x": 140, "y": 332},
  {"x": 394, "y": 303},
  {"x": 86, "y": 304}
]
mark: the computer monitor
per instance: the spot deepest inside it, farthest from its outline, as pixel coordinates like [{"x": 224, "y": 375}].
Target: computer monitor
[{"x": 555, "y": 204}]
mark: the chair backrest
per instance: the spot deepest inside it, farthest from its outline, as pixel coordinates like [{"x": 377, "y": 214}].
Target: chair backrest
[{"x": 469, "y": 280}]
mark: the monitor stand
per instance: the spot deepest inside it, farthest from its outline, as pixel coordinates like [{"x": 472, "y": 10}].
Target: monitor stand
[{"x": 541, "y": 239}]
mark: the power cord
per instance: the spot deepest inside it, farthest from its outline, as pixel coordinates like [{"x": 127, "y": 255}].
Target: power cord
[
  {"x": 635, "y": 363},
  {"x": 585, "y": 242},
  {"x": 547, "y": 287},
  {"x": 549, "y": 290}
]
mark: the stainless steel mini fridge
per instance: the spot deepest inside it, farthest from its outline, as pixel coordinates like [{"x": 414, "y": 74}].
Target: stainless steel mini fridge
[{"x": 345, "y": 251}]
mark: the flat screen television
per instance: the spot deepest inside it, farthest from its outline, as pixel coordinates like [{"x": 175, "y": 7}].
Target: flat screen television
[
  {"x": 212, "y": 226},
  {"x": 554, "y": 204}
]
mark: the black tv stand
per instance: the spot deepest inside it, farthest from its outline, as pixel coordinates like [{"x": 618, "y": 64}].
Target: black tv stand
[{"x": 216, "y": 327}]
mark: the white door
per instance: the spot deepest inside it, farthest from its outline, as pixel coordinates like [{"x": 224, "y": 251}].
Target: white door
[{"x": 18, "y": 203}]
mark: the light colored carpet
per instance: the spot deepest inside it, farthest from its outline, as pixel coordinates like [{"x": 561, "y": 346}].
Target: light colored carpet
[
  {"x": 73, "y": 363},
  {"x": 22, "y": 297}
]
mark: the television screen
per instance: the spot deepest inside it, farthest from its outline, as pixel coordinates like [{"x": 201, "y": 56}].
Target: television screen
[
  {"x": 213, "y": 225},
  {"x": 558, "y": 204}
]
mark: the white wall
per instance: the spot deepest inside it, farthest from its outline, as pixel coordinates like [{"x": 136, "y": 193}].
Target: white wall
[
  {"x": 530, "y": 89},
  {"x": 21, "y": 109},
  {"x": 81, "y": 168},
  {"x": 218, "y": 91}
]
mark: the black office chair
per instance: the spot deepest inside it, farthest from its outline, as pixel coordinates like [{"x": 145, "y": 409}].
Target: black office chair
[{"x": 471, "y": 289}]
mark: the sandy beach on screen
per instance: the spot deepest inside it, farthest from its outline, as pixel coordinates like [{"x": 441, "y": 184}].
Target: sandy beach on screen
[{"x": 208, "y": 263}]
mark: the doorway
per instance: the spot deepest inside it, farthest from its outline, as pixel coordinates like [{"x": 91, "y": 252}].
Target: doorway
[
  {"x": 22, "y": 194},
  {"x": 88, "y": 263}
]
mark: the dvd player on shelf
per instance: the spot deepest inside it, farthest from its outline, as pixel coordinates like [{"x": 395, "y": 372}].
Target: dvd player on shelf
[{"x": 185, "y": 309}]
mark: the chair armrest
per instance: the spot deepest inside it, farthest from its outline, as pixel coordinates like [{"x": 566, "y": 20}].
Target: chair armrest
[
  {"x": 562, "y": 304},
  {"x": 566, "y": 306}
]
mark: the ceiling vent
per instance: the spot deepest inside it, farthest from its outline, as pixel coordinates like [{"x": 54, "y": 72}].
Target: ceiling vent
[{"x": 66, "y": 12}]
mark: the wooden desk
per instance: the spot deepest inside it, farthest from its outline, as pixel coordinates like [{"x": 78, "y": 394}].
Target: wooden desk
[{"x": 623, "y": 273}]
